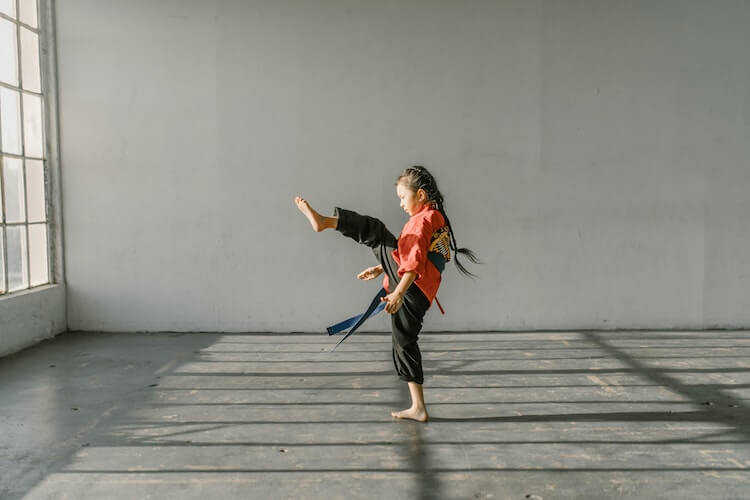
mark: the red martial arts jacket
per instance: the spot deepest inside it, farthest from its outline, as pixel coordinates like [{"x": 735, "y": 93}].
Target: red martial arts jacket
[{"x": 411, "y": 254}]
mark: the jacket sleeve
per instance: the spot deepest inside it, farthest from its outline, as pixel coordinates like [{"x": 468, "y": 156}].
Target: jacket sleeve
[{"x": 412, "y": 247}]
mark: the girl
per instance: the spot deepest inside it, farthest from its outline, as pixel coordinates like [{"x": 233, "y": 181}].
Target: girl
[{"x": 406, "y": 265}]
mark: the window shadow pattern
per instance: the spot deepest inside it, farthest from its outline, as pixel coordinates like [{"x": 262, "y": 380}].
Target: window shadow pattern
[{"x": 512, "y": 416}]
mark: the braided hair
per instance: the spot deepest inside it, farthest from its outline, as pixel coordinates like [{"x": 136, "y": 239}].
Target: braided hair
[{"x": 417, "y": 177}]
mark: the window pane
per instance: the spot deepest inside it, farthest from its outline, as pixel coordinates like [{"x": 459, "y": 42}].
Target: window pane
[
  {"x": 30, "y": 76},
  {"x": 8, "y": 7},
  {"x": 8, "y": 52},
  {"x": 38, "y": 254},
  {"x": 35, "y": 191},
  {"x": 27, "y": 12},
  {"x": 2, "y": 263},
  {"x": 17, "y": 265},
  {"x": 32, "y": 125},
  {"x": 10, "y": 120},
  {"x": 14, "y": 192}
]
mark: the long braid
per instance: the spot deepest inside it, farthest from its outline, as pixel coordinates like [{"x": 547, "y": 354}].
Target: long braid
[{"x": 418, "y": 177}]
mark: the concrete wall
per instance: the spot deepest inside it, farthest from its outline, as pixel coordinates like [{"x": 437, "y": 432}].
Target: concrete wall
[
  {"x": 30, "y": 316},
  {"x": 593, "y": 153}
]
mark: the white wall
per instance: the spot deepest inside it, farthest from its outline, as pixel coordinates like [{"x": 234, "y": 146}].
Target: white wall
[{"x": 593, "y": 153}]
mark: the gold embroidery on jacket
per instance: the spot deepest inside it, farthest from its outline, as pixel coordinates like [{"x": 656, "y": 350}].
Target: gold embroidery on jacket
[{"x": 441, "y": 243}]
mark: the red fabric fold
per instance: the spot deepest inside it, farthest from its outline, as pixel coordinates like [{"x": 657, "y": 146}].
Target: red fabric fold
[{"x": 411, "y": 254}]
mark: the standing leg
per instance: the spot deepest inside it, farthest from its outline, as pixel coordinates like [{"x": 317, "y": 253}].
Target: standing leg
[
  {"x": 407, "y": 358},
  {"x": 418, "y": 410}
]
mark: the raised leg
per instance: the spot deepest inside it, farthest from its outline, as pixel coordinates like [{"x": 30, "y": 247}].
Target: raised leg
[
  {"x": 318, "y": 222},
  {"x": 373, "y": 233},
  {"x": 364, "y": 229}
]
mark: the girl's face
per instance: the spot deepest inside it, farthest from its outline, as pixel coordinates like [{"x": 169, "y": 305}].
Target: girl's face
[{"x": 411, "y": 201}]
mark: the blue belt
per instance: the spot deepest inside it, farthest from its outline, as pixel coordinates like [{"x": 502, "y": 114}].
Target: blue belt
[
  {"x": 356, "y": 321},
  {"x": 376, "y": 305}
]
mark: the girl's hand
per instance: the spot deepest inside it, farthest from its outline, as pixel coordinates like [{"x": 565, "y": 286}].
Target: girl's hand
[
  {"x": 370, "y": 273},
  {"x": 393, "y": 302}
]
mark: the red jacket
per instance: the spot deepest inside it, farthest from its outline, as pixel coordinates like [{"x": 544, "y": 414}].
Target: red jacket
[{"x": 411, "y": 254}]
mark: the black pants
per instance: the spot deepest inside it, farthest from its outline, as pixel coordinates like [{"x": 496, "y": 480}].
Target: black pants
[{"x": 407, "y": 322}]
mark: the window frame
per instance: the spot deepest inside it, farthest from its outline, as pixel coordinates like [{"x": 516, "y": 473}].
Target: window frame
[{"x": 50, "y": 152}]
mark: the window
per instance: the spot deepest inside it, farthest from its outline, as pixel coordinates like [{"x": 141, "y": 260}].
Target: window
[{"x": 24, "y": 222}]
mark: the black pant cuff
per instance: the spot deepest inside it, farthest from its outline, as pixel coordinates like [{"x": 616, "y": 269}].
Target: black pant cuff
[{"x": 419, "y": 381}]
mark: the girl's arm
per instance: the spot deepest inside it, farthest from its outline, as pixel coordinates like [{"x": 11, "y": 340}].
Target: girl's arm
[
  {"x": 396, "y": 298},
  {"x": 406, "y": 280}
]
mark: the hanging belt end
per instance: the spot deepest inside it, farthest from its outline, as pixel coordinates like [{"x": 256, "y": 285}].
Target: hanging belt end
[{"x": 439, "y": 306}]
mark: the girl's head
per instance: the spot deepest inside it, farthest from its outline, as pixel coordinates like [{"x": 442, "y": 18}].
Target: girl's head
[
  {"x": 416, "y": 187},
  {"x": 411, "y": 201}
]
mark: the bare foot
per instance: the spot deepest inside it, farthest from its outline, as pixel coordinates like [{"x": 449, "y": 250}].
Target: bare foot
[
  {"x": 418, "y": 414},
  {"x": 316, "y": 220}
]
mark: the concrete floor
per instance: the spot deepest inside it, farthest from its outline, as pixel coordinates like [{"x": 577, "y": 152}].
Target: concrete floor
[{"x": 546, "y": 415}]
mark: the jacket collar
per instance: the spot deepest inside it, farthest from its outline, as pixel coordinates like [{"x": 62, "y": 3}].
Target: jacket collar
[{"x": 430, "y": 205}]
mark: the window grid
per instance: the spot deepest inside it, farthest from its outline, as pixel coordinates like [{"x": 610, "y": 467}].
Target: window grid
[
  {"x": 18, "y": 21},
  {"x": 26, "y": 264}
]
